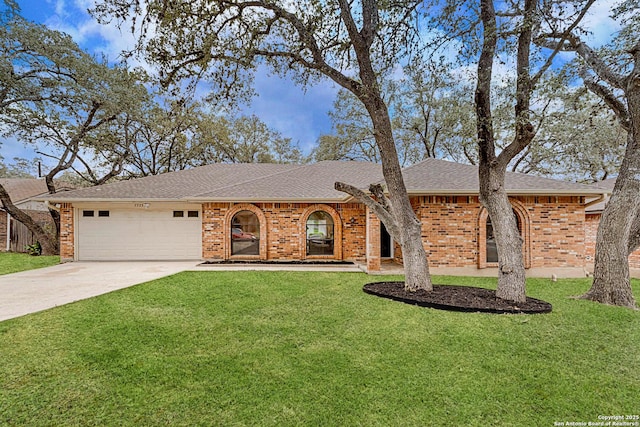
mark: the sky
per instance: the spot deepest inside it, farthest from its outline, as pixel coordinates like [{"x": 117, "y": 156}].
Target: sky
[{"x": 285, "y": 107}]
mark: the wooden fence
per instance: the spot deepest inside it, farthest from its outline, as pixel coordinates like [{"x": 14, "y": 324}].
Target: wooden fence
[{"x": 20, "y": 236}]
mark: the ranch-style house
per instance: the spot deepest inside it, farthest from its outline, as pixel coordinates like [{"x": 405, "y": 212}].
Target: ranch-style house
[{"x": 275, "y": 212}]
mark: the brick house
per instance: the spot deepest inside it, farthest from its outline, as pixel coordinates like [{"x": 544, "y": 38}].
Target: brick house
[
  {"x": 593, "y": 213},
  {"x": 23, "y": 191},
  {"x": 292, "y": 212}
]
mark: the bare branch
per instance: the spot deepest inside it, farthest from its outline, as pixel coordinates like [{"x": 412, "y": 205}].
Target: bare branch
[{"x": 378, "y": 208}]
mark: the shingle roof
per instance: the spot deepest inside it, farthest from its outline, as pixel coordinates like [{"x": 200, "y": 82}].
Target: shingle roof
[
  {"x": 238, "y": 182},
  {"x": 311, "y": 182},
  {"x": 21, "y": 189},
  {"x": 433, "y": 176}
]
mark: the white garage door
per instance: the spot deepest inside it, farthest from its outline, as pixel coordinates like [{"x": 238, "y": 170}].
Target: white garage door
[{"x": 139, "y": 234}]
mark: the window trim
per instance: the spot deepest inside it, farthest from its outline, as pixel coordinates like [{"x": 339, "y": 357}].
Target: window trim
[
  {"x": 337, "y": 232},
  {"x": 228, "y": 219}
]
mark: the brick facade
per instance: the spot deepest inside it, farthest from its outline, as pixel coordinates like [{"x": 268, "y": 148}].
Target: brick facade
[
  {"x": 591, "y": 232},
  {"x": 453, "y": 230},
  {"x": 283, "y": 230}
]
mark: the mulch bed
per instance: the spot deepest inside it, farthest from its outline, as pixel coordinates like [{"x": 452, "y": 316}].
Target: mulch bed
[{"x": 457, "y": 298}]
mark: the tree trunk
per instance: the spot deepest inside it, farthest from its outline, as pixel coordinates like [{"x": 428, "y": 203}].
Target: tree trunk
[
  {"x": 611, "y": 283},
  {"x": 511, "y": 271},
  {"x": 617, "y": 232},
  {"x": 48, "y": 243},
  {"x": 402, "y": 223},
  {"x": 416, "y": 267},
  {"x": 492, "y": 169},
  {"x": 408, "y": 229}
]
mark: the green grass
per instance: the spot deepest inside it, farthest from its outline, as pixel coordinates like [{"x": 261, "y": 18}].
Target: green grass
[
  {"x": 11, "y": 262},
  {"x": 290, "y": 349}
]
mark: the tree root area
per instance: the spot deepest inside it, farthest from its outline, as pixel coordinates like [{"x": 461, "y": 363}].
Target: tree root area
[{"x": 457, "y": 298}]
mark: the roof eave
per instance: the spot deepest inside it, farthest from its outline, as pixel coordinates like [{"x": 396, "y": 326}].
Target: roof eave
[{"x": 459, "y": 192}]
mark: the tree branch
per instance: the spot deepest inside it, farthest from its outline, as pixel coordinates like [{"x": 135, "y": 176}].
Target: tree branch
[{"x": 378, "y": 208}]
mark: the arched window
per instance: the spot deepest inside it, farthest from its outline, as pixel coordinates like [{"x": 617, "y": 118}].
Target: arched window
[
  {"x": 320, "y": 234},
  {"x": 491, "y": 247},
  {"x": 245, "y": 234}
]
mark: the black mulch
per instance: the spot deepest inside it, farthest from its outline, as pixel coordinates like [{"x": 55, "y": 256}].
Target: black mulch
[{"x": 457, "y": 298}]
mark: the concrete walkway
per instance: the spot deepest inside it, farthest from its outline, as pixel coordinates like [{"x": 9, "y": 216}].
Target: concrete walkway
[{"x": 35, "y": 290}]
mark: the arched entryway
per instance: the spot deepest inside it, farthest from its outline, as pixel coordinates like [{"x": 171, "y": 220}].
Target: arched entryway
[{"x": 487, "y": 250}]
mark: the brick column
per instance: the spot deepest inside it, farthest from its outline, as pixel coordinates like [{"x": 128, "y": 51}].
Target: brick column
[
  {"x": 67, "y": 233},
  {"x": 373, "y": 241},
  {"x": 213, "y": 232}
]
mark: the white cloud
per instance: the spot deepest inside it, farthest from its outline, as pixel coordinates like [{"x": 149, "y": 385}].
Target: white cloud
[{"x": 600, "y": 23}]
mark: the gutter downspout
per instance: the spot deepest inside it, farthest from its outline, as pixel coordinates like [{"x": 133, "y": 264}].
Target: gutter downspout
[{"x": 595, "y": 201}]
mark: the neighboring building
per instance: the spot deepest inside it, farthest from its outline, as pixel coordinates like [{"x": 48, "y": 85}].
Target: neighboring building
[
  {"x": 14, "y": 236},
  {"x": 292, "y": 212}
]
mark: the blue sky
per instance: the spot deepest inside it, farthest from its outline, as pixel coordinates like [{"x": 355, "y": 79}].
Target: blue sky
[{"x": 295, "y": 113}]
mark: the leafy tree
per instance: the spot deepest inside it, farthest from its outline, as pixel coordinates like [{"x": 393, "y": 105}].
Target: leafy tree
[
  {"x": 20, "y": 168},
  {"x": 352, "y": 43},
  {"x": 504, "y": 32},
  {"x": 429, "y": 115},
  {"x": 613, "y": 74},
  {"x": 158, "y": 137},
  {"x": 579, "y": 139},
  {"x": 244, "y": 139},
  {"x": 54, "y": 93}
]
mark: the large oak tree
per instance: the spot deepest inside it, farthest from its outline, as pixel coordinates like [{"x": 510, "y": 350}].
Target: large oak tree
[
  {"x": 613, "y": 74},
  {"x": 54, "y": 93},
  {"x": 503, "y": 33},
  {"x": 349, "y": 42}
]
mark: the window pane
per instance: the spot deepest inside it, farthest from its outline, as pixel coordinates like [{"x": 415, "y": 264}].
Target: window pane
[
  {"x": 192, "y": 214},
  {"x": 492, "y": 249},
  {"x": 320, "y": 234},
  {"x": 87, "y": 213},
  {"x": 103, "y": 213},
  {"x": 178, "y": 214},
  {"x": 245, "y": 234}
]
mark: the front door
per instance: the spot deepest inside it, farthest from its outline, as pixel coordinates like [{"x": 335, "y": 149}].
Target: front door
[{"x": 386, "y": 243}]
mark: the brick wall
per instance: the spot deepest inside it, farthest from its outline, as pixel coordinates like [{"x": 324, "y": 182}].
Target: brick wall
[
  {"x": 591, "y": 232},
  {"x": 285, "y": 235},
  {"x": 553, "y": 227},
  {"x": 67, "y": 231},
  {"x": 553, "y": 230},
  {"x": 557, "y": 231}
]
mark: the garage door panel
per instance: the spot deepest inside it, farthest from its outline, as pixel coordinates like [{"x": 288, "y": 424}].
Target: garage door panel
[{"x": 139, "y": 235}]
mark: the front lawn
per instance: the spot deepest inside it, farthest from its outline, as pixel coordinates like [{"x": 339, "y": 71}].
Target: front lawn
[
  {"x": 12, "y": 262},
  {"x": 291, "y": 349}
]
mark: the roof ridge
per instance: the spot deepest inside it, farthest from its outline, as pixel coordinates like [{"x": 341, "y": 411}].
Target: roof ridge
[{"x": 296, "y": 167}]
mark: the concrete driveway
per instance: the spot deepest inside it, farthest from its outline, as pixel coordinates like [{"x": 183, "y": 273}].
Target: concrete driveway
[{"x": 35, "y": 290}]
